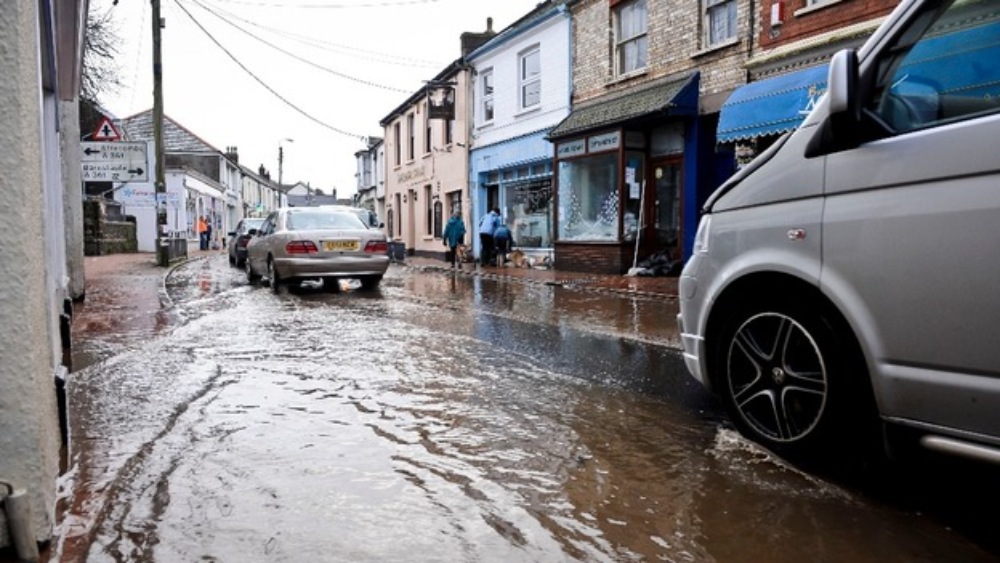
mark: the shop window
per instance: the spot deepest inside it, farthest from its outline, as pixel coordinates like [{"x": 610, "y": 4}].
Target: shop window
[
  {"x": 636, "y": 201},
  {"x": 588, "y": 198},
  {"x": 529, "y": 213},
  {"x": 427, "y": 131},
  {"x": 630, "y": 24}
]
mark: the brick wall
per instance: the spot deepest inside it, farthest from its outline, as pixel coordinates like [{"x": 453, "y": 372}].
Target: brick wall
[
  {"x": 675, "y": 29},
  {"x": 593, "y": 258},
  {"x": 809, "y": 22}
]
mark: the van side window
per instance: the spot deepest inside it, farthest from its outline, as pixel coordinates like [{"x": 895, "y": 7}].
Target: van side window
[{"x": 948, "y": 72}]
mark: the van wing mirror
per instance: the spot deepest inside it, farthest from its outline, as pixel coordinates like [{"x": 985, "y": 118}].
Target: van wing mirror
[
  {"x": 841, "y": 128},
  {"x": 842, "y": 84}
]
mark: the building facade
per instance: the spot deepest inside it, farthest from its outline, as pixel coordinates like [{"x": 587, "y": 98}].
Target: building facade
[
  {"x": 427, "y": 168},
  {"x": 521, "y": 91},
  {"x": 42, "y": 46},
  {"x": 370, "y": 176},
  {"x": 636, "y": 157}
]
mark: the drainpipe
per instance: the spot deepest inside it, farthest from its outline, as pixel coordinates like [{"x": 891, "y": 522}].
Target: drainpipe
[{"x": 17, "y": 506}]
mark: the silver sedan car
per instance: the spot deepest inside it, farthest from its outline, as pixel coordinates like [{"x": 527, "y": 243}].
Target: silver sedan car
[{"x": 299, "y": 243}]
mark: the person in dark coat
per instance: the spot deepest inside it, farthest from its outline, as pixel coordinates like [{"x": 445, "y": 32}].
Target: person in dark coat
[{"x": 454, "y": 235}]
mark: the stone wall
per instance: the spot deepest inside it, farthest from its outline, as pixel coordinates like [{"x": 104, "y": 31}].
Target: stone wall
[{"x": 102, "y": 235}]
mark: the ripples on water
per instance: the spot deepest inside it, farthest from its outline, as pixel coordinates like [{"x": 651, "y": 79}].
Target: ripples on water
[{"x": 367, "y": 428}]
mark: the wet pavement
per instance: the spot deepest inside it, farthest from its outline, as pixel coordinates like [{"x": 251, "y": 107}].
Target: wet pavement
[{"x": 488, "y": 416}]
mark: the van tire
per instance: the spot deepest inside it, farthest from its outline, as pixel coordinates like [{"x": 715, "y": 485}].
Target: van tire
[{"x": 793, "y": 380}]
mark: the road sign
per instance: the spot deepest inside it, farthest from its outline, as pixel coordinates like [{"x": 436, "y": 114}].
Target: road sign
[
  {"x": 114, "y": 162},
  {"x": 106, "y": 131}
]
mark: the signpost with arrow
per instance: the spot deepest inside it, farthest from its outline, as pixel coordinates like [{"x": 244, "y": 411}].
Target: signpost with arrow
[{"x": 114, "y": 162}]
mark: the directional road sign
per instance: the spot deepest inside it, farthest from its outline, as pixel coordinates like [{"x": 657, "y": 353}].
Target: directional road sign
[{"x": 114, "y": 162}]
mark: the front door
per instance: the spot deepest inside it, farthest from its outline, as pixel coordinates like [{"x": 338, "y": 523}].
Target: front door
[{"x": 667, "y": 206}]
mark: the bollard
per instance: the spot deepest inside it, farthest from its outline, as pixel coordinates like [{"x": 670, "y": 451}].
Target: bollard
[{"x": 17, "y": 506}]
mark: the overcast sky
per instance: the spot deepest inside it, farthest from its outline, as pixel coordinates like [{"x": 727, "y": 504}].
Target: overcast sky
[{"x": 320, "y": 72}]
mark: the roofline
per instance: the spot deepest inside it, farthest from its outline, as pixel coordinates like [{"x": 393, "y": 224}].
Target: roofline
[
  {"x": 452, "y": 69},
  {"x": 542, "y": 13}
]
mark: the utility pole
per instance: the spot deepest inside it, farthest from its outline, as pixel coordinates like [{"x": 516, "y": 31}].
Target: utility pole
[{"x": 162, "y": 248}]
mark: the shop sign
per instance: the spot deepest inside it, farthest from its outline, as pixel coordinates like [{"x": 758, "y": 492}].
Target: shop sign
[
  {"x": 570, "y": 148},
  {"x": 605, "y": 142}
]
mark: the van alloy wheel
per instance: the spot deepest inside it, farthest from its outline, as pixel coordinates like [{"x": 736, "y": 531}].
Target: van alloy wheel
[
  {"x": 776, "y": 377},
  {"x": 793, "y": 380}
]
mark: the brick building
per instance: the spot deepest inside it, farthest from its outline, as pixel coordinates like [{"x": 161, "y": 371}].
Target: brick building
[{"x": 637, "y": 156}]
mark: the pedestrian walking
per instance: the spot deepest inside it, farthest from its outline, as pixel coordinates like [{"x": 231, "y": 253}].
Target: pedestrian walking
[
  {"x": 454, "y": 235},
  {"x": 202, "y": 233},
  {"x": 487, "y": 225},
  {"x": 502, "y": 242}
]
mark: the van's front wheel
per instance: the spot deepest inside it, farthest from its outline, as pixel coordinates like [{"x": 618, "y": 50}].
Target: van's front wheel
[{"x": 791, "y": 382}]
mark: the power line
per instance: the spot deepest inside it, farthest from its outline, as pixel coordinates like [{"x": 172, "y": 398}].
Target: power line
[
  {"x": 264, "y": 84},
  {"x": 330, "y": 6},
  {"x": 387, "y": 58},
  {"x": 298, "y": 58}
]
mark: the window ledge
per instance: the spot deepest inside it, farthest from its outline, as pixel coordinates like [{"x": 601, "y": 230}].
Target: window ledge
[
  {"x": 533, "y": 109},
  {"x": 815, "y": 7},
  {"x": 718, "y": 46},
  {"x": 626, "y": 77}
]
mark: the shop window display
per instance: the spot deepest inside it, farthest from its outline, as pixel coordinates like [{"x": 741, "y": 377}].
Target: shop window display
[
  {"x": 528, "y": 213},
  {"x": 589, "y": 199}
]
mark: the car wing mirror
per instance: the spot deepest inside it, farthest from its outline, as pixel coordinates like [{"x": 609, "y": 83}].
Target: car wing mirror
[{"x": 252, "y": 232}]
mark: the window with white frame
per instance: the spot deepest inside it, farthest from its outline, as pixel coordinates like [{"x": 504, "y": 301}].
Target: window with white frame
[
  {"x": 631, "y": 40},
  {"x": 720, "y": 21},
  {"x": 486, "y": 87},
  {"x": 530, "y": 78}
]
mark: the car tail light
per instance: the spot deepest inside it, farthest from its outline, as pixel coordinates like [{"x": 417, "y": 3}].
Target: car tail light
[
  {"x": 242, "y": 242},
  {"x": 374, "y": 247},
  {"x": 301, "y": 247}
]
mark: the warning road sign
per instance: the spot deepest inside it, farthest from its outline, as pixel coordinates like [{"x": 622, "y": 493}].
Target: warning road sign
[{"x": 106, "y": 131}]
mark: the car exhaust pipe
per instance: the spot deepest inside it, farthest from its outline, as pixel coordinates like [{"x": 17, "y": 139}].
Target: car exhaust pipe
[{"x": 17, "y": 507}]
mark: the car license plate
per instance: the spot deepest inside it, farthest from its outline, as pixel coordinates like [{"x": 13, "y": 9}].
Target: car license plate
[{"x": 334, "y": 245}]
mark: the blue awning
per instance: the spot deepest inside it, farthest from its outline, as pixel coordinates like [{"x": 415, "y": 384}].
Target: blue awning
[{"x": 771, "y": 106}]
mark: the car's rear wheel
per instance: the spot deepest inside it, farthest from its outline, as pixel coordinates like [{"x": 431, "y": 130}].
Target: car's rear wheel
[
  {"x": 274, "y": 279},
  {"x": 792, "y": 381},
  {"x": 369, "y": 283},
  {"x": 252, "y": 277},
  {"x": 232, "y": 261}
]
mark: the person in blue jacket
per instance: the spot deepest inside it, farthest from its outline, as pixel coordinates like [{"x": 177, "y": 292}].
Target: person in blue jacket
[
  {"x": 502, "y": 242},
  {"x": 454, "y": 235}
]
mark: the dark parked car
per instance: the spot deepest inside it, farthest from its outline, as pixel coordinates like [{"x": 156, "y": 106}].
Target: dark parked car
[{"x": 238, "y": 240}]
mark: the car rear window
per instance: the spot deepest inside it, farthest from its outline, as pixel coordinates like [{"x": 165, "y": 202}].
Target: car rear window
[{"x": 306, "y": 220}]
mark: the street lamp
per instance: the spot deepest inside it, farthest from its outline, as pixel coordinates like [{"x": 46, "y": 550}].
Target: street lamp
[{"x": 281, "y": 158}]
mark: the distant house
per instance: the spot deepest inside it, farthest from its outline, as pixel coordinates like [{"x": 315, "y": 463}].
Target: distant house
[
  {"x": 304, "y": 195},
  {"x": 201, "y": 181}
]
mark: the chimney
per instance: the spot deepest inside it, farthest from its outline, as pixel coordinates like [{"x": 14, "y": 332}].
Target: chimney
[{"x": 471, "y": 40}]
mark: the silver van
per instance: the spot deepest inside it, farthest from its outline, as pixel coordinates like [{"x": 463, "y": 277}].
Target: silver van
[{"x": 847, "y": 281}]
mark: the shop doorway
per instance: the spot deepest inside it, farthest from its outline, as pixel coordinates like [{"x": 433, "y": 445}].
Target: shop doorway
[{"x": 668, "y": 182}]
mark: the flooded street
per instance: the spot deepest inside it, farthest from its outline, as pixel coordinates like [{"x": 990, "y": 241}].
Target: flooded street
[{"x": 445, "y": 417}]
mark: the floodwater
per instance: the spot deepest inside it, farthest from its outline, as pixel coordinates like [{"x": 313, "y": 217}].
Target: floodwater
[{"x": 441, "y": 418}]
